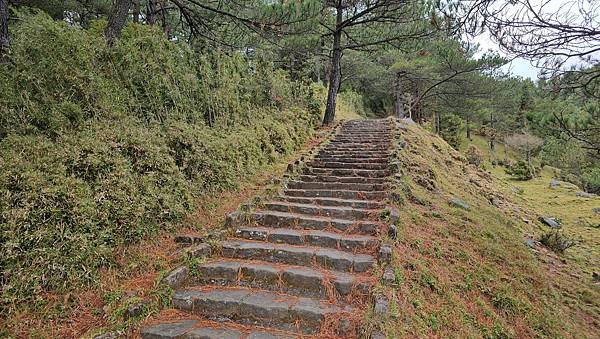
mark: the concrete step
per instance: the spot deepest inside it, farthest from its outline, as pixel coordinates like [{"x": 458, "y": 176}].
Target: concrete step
[
  {"x": 341, "y": 212},
  {"x": 276, "y": 219},
  {"x": 364, "y": 204},
  {"x": 346, "y": 242},
  {"x": 293, "y": 280},
  {"x": 298, "y": 255},
  {"x": 326, "y": 178},
  {"x": 346, "y": 172},
  {"x": 349, "y": 165},
  {"x": 258, "y": 308},
  {"x": 195, "y": 329},
  {"x": 335, "y": 186}
]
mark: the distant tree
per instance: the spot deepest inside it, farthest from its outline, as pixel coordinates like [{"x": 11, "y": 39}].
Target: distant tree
[
  {"x": 526, "y": 144},
  {"x": 364, "y": 25}
]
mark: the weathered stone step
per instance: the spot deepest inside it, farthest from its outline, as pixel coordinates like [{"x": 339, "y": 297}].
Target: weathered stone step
[
  {"x": 262, "y": 308},
  {"x": 317, "y": 238},
  {"x": 326, "y": 178},
  {"x": 345, "y": 159},
  {"x": 355, "y": 195},
  {"x": 294, "y": 280},
  {"x": 195, "y": 329},
  {"x": 356, "y": 146},
  {"x": 298, "y": 255},
  {"x": 365, "y": 204},
  {"x": 335, "y": 186},
  {"x": 323, "y": 211},
  {"x": 349, "y": 165},
  {"x": 363, "y": 153},
  {"x": 372, "y": 141},
  {"x": 347, "y": 172},
  {"x": 359, "y": 156},
  {"x": 293, "y": 220}
]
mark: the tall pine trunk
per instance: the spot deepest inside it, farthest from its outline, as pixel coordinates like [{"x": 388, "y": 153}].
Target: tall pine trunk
[
  {"x": 335, "y": 75},
  {"x": 116, "y": 20},
  {"x": 4, "y": 38}
]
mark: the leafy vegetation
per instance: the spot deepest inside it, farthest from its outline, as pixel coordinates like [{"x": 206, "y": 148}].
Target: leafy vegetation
[{"x": 102, "y": 147}]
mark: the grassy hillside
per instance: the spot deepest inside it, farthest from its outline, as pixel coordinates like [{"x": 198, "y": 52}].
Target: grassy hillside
[
  {"x": 579, "y": 222},
  {"x": 468, "y": 272}
]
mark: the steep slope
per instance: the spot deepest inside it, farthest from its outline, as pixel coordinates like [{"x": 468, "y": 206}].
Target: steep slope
[{"x": 465, "y": 264}]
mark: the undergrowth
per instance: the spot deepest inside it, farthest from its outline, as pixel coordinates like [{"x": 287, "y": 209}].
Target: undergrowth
[{"x": 102, "y": 147}]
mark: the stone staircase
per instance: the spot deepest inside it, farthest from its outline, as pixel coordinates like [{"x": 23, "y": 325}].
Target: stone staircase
[{"x": 301, "y": 263}]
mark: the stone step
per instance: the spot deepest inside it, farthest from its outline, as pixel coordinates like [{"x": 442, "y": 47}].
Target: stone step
[
  {"x": 356, "y": 147},
  {"x": 293, "y": 220},
  {"x": 347, "y": 172},
  {"x": 259, "y": 308},
  {"x": 195, "y": 329},
  {"x": 323, "y": 211},
  {"x": 326, "y": 178},
  {"x": 355, "y": 153},
  {"x": 365, "y": 204},
  {"x": 293, "y": 280},
  {"x": 355, "y": 195},
  {"x": 298, "y": 255},
  {"x": 345, "y": 242},
  {"x": 329, "y": 158},
  {"x": 335, "y": 186},
  {"x": 349, "y": 165}
]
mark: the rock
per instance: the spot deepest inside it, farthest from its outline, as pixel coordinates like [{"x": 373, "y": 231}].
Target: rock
[
  {"x": 550, "y": 221},
  {"x": 459, "y": 203},
  {"x": 188, "y": 239},
  {"x": 583, "y": 194},
  {"x": 176, "y": 277},
  {"x": 554, "y": 183},
  {"x": 596, "y": 277},
  {"x": 377, "y": 335},
  {"x": 596, "y": 210},
  {"x": 168, "y": 330},
  {"x": 388, "y": 276},
  {"x": 200, "y": 251},
  {"x": 394, "y": 215},
  {"x": 135, "y": 310},
  {"x": 233, "y": 218},
  {"x": 393, "y": 232},
  {"x": 381, "y": 305},
  {"x": 108, "y": 335},
  {"x": 530, "y": 243},
  {"x": 385, "y": 254}
]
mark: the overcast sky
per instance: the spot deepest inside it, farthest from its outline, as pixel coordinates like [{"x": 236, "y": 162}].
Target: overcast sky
[{"x": 560, "y": 10}]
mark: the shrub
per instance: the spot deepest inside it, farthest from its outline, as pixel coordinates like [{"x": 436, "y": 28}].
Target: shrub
[
  {"x": 521, "y": 170},
  {"x": 591, "y": 179},
  {"x": 474, "y": 155},
  {"x": 451, "y": 129},
  {"x": 557, "y": 241}
]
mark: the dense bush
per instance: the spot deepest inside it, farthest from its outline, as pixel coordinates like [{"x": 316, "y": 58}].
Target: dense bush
[
  {"x": 451, "y": 129},
  {"x": 101, "y": 147},
  {"x": 521, "y": 170}
]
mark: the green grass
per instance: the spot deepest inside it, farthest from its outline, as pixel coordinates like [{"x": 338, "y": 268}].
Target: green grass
[
  {"x": 578, "y": 220},
  {"x": 468, "y": 273}
]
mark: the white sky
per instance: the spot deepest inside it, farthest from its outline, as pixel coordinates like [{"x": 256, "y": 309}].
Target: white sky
[
  {"x": 518, "y": 66},
  {"x": 564, "y": 9}
]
